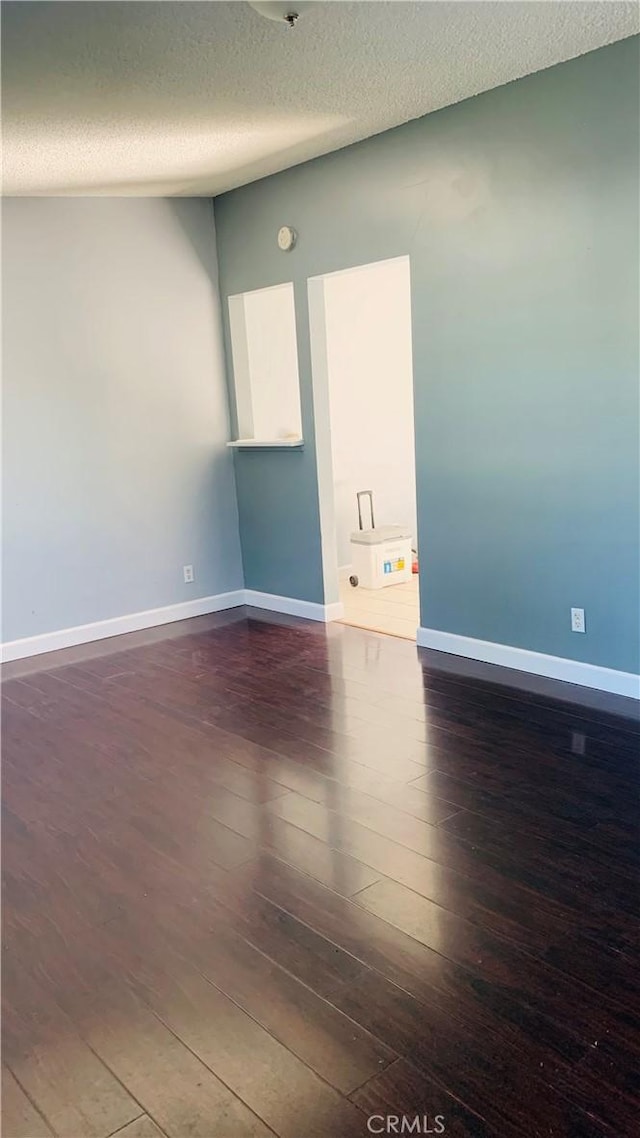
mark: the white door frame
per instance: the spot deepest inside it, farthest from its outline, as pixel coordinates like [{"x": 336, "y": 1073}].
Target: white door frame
[{"x": 322, "y": 420}]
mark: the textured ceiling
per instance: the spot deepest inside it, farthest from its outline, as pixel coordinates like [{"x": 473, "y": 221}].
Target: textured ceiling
[{"x": 193, "y": 98}]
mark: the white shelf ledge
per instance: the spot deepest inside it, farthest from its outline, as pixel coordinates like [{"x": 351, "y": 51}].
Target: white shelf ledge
[{"x": 273, "y": 444}]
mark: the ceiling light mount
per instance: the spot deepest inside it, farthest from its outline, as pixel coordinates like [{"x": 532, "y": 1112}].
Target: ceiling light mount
[{"x": 282, "y": 11}]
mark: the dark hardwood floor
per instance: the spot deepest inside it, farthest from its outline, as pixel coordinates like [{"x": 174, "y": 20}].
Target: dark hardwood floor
[{"x": 274, "y": 878}]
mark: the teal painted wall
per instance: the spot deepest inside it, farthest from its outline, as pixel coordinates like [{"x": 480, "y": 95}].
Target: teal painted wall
[{"x": 519, "y": 210}]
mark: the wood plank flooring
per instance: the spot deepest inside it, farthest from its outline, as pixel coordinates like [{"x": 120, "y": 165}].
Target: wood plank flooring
[{"x": 265, "y": 878}]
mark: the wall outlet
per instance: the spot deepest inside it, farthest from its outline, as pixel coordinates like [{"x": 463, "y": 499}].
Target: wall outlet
[
  {"x": 188, "y": 574},
  {"x": 577, "y": 620},
  {"x": 578, "y": 743}
]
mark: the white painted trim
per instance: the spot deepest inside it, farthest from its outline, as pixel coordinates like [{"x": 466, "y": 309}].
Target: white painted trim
[
  {"x": 318, "y": 343},
  {"x": 116, "y": 626},
  {"x": 322, "y": 427},
  {"x": 150, "y": 618},
  {"x": 272, "y": 444},
  {"x": 554, "y": 667},
  {"x": 240, "y": 362},
  {"x": 334, "y": 611},
  {"x": 290, "y": 606}
]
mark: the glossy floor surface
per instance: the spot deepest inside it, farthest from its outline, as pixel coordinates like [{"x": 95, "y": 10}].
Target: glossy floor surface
[
  {"x": 394, "y": 610},
  {"x": 272, "y": 878}
]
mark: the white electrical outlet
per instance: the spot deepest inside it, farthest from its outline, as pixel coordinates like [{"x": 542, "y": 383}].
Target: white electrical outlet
[
  {"x": 188, "y": 574},
  {"x": 578, "y": 743},
  {"x": 577, "y": 620}
]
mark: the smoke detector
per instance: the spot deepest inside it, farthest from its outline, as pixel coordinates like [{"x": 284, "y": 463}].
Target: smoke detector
[{"x": 282, "y": 11}]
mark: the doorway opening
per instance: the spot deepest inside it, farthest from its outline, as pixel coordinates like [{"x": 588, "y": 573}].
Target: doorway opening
[{"x": 360, "y": 326}]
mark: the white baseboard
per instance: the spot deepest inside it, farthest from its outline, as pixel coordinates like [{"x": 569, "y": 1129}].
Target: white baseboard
[
  {"x": 554, "y": 667},
  {"x": 503, "y": 655},
  {"x": 150, "y": 618},
  {"x": 334, "y": 611},
  {"x": 133, "y": 622},
  {"x": 292, "y": 607}
]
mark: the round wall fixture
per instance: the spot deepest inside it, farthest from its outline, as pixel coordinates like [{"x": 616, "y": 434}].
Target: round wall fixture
[
  {"x": 282, "y": 11},
  {"x": 286, "y": 238}
]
